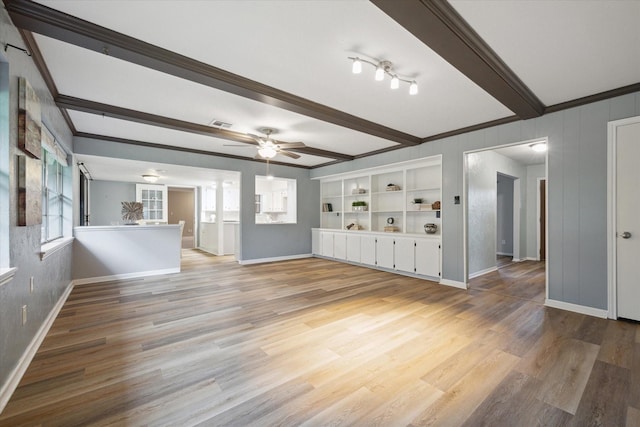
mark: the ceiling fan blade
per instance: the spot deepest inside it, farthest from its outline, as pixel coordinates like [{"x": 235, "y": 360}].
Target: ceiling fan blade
[
  {"x": 289, "y": 154},
  {"x": 236, "y": 145},
  {"x": 290, "y": 144},
  {"x": 258, "y": 139}
]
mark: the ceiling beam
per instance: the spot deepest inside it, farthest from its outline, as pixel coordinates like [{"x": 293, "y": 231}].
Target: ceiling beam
[
  {"x": 439, "y": 26},
  {"x": 49, "y": 22},
  {"x": 182, "y": 149},
  {"x": 77, "y": 104}
]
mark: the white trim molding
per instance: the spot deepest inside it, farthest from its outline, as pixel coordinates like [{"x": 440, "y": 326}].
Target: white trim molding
[
  {"x": 453, "y": 283},
  {"x": 273, "y": 259},
  {"x": 6, "y": 275},
  {"x": 612, "y": 256},
  {"x": 50, "y": 248},
  {"x": 582, "y": 309},
  {"x": 124, "y": 276},
  {"x": 483, "y": 272},
  {"x": 16, "y": 374}
]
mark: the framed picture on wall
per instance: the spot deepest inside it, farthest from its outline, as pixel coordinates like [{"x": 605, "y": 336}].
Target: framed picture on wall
[
  {"x": 29, "y": 121},
  {"x": 29, "y": 191}
]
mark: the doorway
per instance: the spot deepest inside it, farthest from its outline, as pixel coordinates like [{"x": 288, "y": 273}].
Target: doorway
[
  {"x": 506, "y": 236},
  {"x": 505, "y": 222},
  {"x": 181, "y": 206},
  {"x": 542, "y": 219},
  {"x": 623, "y": 224}
]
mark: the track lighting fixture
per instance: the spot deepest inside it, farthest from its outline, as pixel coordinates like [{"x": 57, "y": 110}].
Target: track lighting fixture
[{"x": 383, "y": 68}]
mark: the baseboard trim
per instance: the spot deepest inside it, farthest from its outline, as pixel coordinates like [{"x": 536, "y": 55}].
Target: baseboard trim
[
  {"x": 273, "y": 259},
  {"x": 124, "y": 276},
  {"x": 454, "y": 283},
  {"x": 483, "y": 272},
  {"x": 504, "y": 254},
  {"x": 7, "y": 389},
  {"x": 582, "y": 309}
]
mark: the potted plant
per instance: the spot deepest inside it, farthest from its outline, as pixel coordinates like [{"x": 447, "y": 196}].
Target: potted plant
[{"x": 359, "y": 205}]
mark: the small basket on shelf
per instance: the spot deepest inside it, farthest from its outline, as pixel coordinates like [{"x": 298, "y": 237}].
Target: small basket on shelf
[
  {"x": 435, "y": 205},
  {"x": 392, "y": 187}
]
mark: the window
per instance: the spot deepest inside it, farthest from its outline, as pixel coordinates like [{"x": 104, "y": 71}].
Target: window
[
  {"x": 276, "y": 200},
  {"x": 52, "y": 197},
  {"x": 154, "y": 202}
]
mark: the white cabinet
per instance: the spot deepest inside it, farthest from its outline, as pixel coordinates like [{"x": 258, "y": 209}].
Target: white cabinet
[
  {"x": 407, "y": 254},
  {"x": 340, "y": 246},
  {"x": 326, "y": 239},
  {"x": 368, "y": 249},
  {"x": 353, "y": 248},
  {"x": 404, "y": 255},
  {"x": 384, "y": 252},
  {"x": 316, "y": 244},
  {"x": 428, "y": 257}
]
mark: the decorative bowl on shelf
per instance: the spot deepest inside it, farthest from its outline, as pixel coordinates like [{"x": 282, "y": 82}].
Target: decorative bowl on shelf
[{"x": 430, "y": 228}]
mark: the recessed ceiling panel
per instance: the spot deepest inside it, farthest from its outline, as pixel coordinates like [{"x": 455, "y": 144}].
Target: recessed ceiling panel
[
  {"x": 111, "y": 81},
  {"x": 107, "y": 126},
  {"x": 562, "y": 50},
  {"x": 302, "y": 48}
]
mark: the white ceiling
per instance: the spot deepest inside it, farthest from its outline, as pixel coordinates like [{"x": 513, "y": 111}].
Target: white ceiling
[{"x": 561, "y": 50}]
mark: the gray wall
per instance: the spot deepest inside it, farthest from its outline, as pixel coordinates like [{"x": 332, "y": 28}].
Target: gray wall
[
  {"x": 533, "y": 173},
  {"x": 53, "y": 274},
  {"x": 105, "y": 198},
  {"x": 504, "y": 216},
  {"x": 257, "y": 241},
  {"x": 577, "y": 165},
  {"x": 483, "y": 168}
]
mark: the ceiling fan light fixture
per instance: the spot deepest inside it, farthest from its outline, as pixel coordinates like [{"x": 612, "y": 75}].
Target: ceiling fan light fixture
[
  {"x": 150, "y": 178},
  {"x": 539, "y": 147},
  {"x": 267, "y": 152}
]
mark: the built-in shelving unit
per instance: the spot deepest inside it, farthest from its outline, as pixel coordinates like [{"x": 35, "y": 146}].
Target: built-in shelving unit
[{"x": 396, "y": 199}]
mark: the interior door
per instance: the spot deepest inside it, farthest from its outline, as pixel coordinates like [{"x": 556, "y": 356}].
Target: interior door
[{"x": 628, "y": 220}]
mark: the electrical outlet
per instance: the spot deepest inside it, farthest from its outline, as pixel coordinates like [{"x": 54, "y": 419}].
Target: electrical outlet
[
  {"x": 24, "y": 314},
  {"x": 31, "y": 285}
]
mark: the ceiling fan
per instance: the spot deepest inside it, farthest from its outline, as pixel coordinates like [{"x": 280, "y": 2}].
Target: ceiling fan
[{"x": 268, "y": 148}]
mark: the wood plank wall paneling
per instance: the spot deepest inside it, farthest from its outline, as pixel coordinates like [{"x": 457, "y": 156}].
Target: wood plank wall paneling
[{"x": 315, "y": 342}]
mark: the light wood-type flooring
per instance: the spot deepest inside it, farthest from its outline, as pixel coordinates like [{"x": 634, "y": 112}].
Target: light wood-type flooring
[{"x": 313, "y": 342}]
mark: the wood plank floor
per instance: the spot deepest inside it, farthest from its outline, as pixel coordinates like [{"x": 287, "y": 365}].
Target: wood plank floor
[{"x": 314, "y": 342}]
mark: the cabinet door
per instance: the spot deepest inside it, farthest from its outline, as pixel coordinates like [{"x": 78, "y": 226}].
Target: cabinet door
[
  {"x": 353, "y": 248},
  {"x": 428, "y": 257},
  {"x": 327, "y": 243},
  {"x": 368, "y": 250},
  {"x": 340, "y": 246},
  {"x": 384, "y": 251},
  {"x": 404, "y": 254}
]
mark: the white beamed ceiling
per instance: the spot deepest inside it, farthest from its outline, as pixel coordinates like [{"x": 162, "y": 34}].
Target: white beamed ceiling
[{"x": 562, "y": 50}]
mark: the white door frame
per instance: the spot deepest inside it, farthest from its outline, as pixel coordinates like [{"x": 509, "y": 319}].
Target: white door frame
[
  {"x": 465, "y": 207},
  {"x": 612, "y": 257},
  {"x": 538, "y": 202}
]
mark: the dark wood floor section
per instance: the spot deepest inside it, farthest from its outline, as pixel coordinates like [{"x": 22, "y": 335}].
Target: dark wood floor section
[{"x": 314, "y": 342}]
